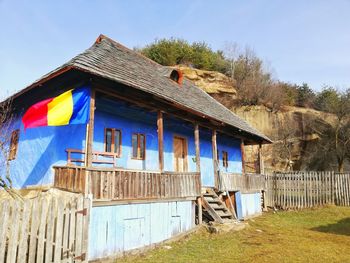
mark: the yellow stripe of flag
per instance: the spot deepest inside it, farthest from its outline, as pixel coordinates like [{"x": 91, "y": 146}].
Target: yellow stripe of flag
[{"x": 60, "y": 109}]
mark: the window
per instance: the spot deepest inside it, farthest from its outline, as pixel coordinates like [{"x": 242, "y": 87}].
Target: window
[
  {"x": 225, "y": 159},
  {"x": 13, "y": 145},
  {"x": 138, "y": 146},
  {"x": 113, "y": 139}
]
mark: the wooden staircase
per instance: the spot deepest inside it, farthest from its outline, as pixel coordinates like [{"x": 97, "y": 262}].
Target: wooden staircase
[{"x": 216, "y": 208}]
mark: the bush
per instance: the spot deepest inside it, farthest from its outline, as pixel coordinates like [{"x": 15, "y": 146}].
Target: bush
[{"x": 173, "y": 51}]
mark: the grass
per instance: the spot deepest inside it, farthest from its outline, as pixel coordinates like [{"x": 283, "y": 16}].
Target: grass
[{"x": 316, "y": 235}]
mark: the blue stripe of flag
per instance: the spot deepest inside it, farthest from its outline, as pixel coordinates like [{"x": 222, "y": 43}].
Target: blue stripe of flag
[{"x": 81, "y": 105}]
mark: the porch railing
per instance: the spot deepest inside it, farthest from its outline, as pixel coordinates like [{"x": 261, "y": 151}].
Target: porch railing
[
  {"x": 97, "y": 157},
  {"x": 117, "y": 184},
  {"x": 240, "y": 182}
]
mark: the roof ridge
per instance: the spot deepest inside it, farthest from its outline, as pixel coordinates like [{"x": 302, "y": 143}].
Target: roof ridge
[{"x": 104, "y": 37}]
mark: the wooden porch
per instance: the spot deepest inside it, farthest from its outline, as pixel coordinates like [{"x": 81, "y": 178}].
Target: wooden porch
[
  {"x": 109, "y": 184},
  {"x": 241, "y": 182}
]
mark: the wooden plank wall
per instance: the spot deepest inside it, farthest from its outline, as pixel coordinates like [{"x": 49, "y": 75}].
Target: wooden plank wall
[
  {"x": 70, "y": 178},
  {"x": 44, "y": 230},
  {"x": 239, "y": 182},
  {"x": 113, "y": 184},
  {"x": 299, "y": 190}
]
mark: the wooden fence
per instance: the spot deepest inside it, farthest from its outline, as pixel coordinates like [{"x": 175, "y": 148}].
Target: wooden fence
[
  {"x": 298, "y": 190},
  {"x": 45, "y": 229},
  {"x": 117, "y": 184}
]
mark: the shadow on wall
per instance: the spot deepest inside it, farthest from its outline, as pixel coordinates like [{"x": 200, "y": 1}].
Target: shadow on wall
[
  {"x": 342, "y": 227},
  {"x": 41, "y": 148}
]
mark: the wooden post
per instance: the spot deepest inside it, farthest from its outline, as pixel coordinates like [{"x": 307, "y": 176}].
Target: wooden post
[
  {"x": 90, "y": 132},
  {"x": 196, "y": 141},
  {"x": 215, "y": 159},
  {"x": 261, "y": 160},
  {"x": 198, "y": 169},
  {"x": 160, "y": 141},
  {"x": 200, "y": 213},
  {"x": 243, "y": 156}
]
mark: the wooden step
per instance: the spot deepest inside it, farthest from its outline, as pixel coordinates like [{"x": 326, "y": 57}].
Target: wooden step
[
  {"x": 213, "y": 200},
  {"x": 223, "y": 214},
  {"x": 216, "y": 208}
]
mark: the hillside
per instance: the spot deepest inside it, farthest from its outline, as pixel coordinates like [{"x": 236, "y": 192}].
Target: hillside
[{"x": 287, "y": 125}]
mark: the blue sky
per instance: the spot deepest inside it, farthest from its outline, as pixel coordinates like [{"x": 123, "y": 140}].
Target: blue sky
[{"x": 302, "y": 41}]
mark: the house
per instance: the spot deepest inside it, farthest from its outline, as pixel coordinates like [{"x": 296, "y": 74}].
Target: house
[{"x": 155, "y": 144}]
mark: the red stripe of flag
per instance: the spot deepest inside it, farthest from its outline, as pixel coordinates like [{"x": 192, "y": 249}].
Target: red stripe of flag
[{"x": 36, "y": 115}]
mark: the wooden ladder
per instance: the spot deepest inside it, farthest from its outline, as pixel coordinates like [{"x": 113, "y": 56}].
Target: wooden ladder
[{"x": 216, "y": 208}]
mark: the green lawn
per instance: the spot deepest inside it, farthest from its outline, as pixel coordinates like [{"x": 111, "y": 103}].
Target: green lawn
[{"x": 317, "y": 235}]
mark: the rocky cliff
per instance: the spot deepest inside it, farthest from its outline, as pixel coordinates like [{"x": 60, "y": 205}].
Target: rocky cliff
[{"x": 288, "y": 128}]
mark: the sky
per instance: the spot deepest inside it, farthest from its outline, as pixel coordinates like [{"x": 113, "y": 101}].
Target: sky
[{"x": 301, "y": 41}]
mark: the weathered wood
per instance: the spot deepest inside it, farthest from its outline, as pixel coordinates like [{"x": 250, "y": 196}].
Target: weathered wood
[
  {"x": 197, "y": 144},
  {"x": 261, "y": 160},
  {"x": 23, "y": 234},
  {"x": 90, "y": 133},
  {"x": 4, "y": 219},
  {"x": 13, "y": 236},
  {"x": 33, "y": 231},
  {"x": 295, "y": 190},
  {"x": 41, "y": 236},
  {"x": 199, "y": 206},
  {"x": 49, "y": 230},
  {"x": 243, "y": 156},
  {"x": 215, "y": 157},
  {"x": 239, "y": 182},
  {"x": 131, "y": 185},
  {"x": 160, "y": 131}
]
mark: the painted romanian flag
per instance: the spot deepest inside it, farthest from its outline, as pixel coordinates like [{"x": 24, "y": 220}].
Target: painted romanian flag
[{"x": 71, "y": 107}]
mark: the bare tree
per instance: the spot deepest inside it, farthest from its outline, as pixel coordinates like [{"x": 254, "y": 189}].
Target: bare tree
[
  {"x": 284, "y": 143},
  {"x": 333, "y": 146},
  {"x": 6, "y": 127}
]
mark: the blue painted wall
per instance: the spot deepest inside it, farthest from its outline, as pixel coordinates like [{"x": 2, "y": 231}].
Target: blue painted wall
[
  {"x": 224, "y": 143},
  {"x": 248, "y": 204},
  {"x": 128, "y": 126},
  {"x": 118, "y": 228},
  {"x": 233, "y": 148},
  {"x": 41, "y": 148}
]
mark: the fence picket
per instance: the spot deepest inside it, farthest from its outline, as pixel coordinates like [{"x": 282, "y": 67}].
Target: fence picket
[
  {"x": 23, "y": 234},
  {"x": 296, "y": 190},
  {"x": 13, "y": 237},
  {"x": 35, "y": 229}
]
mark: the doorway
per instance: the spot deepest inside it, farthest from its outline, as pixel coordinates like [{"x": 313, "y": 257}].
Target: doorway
[{"x": 180, "y": 154}]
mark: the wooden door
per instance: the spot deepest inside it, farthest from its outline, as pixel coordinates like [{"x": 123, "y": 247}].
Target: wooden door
[{"x": 180, "y": 154}]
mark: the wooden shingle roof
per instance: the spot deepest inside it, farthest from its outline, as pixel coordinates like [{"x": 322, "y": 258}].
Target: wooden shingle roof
[{"x": 111, "y": 60}]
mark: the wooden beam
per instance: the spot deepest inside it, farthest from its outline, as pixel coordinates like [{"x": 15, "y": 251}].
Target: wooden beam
[
  {"x": 243, "y": 156},
  {"x": 160, "y": 141},
  {"x": 215, "y": 159},
  {"x": 198, "y": 169},
  {"x": 200, "y": 212},
  {"x": 198, "y": 154},
  {"x": 167, "y": 108},
  {"x": 90, "y": 132},
  {"x": 261, "y": 160}
]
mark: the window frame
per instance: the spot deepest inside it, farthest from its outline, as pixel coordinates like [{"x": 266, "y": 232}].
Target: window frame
[
  {"x": 225, "y": 159},
  {"x": 113, "y": 130},
  {"x": 13, "y": 145},
  {"x": 138, "y": 151}
]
